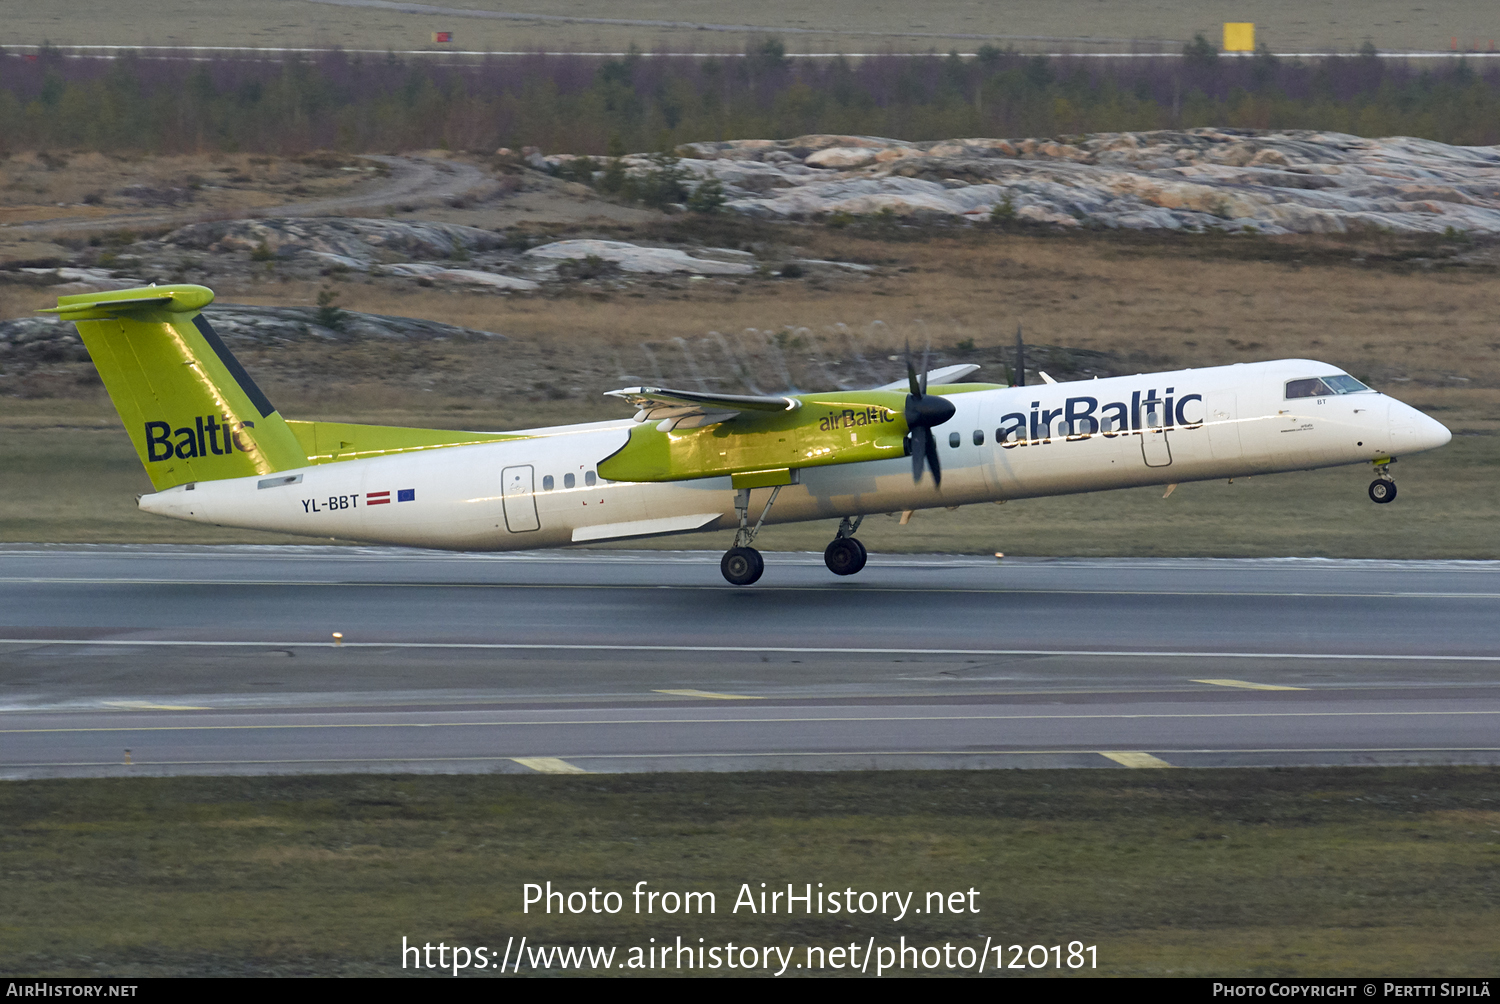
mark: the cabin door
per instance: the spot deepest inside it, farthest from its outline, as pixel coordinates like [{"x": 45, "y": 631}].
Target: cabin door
[{"x": 518, "y": 495}]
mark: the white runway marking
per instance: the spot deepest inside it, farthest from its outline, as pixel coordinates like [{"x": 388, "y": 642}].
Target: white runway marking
[
  {"x": 768, "y": 720},
  {"x": 842, "y": 588},
  {"x": 1247, "y": 685},
  {"x": 791, "y": 650}
]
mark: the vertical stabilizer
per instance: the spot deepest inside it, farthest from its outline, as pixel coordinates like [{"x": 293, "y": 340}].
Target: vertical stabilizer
[{"x": 190, "y": 408}]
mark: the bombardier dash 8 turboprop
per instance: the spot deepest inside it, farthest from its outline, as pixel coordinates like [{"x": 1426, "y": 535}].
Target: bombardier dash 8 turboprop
[{"x": 218, "y": 452}]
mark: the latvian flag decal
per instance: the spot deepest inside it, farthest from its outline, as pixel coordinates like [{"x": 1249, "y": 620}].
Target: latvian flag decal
[{"x": 381, "y": 498}]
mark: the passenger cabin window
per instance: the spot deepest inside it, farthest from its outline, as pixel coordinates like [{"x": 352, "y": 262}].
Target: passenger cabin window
[
  {"x": 954, "y": 439},
  {"x": 568, "y": 481},
  {"x": 978, "y": 437},
  {"x": 1329, "y": 386},
  {"x": 547, "y": 483},
  {"x": 590, "y": 478}
]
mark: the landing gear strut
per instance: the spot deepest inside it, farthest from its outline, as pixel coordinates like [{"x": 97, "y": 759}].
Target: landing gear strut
[
  {"x": 742, "y": 564},
  {"x": 1383, "y": 488},
  {"x": 846, "y": 554}
]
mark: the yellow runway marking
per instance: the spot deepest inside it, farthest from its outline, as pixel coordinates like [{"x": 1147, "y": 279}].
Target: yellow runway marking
[
  {"x": 548, "y": 765},
  {"x": 1247, "y": 685},
  {"x": 1135, "y": 759},
  {"x": 709, "y": 693}
]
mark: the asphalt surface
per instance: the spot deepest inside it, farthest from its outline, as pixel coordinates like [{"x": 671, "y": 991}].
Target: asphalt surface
[{"x": 223, "y": 660}]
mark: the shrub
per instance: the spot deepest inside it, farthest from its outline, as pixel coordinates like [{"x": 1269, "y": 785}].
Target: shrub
[
  {"x": 329, "y": 315},
  {"x": 708, "y": 197}
]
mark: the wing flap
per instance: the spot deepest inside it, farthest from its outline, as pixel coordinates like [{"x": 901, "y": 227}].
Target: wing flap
[
  {"x": 937, "y": 377},
  {"x": 649, "y": 399}
]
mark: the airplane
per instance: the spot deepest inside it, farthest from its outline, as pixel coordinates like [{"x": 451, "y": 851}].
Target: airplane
[{"x": 218, "y": 452}]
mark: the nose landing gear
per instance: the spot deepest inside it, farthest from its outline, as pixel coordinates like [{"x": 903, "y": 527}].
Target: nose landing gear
[
  {"x": 846, "y": 554},
  {"x": 1383, "y": 488}
]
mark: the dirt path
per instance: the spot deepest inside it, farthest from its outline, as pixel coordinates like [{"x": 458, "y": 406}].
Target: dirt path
[{"x": 412, "y": 180}]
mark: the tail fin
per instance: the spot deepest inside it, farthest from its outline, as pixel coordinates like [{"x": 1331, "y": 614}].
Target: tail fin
[{"x": 192, "y": 411}]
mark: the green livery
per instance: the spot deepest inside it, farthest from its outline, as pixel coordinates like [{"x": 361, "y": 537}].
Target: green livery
[
  {"x": 828, "y": 428},
  {"x": 332, "y": 442},
  {"x": 192, "y": 411}
]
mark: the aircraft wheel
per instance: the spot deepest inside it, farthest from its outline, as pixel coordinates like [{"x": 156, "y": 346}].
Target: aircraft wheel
[
  {"x": 845, "y": 556},
  {"x": 742, "y": 565},
  {"x": 1382, "y": 491}
]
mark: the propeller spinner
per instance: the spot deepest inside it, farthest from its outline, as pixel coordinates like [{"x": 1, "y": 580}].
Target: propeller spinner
[{"x": 923, "y": 412}]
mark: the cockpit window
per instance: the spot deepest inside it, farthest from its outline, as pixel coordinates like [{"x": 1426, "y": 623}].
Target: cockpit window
[{"x": 1328, "y": 386}]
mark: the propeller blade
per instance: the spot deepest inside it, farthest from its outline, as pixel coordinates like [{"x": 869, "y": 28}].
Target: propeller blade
[
  {"x": 1020, "y": 359},
  {"x": 932, "y": 459},
  {"x": 925, "y": 353},
  {"x": 919, "y": 436},
  {"x": 911, "y": 373}
]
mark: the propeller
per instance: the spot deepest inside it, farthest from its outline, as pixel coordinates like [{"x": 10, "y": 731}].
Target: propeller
[
  {"x": 923, "y": 412},
  {"x": 1020, "y": 359}
]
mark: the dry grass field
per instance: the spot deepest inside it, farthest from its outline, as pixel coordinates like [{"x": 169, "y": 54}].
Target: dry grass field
[
  {"x": 1091, "y": 302},
  {"x": 873, "y": 26},
  {"x": 1310, "y": 872},
  {"x": 35, "y": 187}
]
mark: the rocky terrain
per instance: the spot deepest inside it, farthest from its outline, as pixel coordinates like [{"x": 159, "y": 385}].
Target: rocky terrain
[
  {"x": 1234, "y": 180},
  {"x": 427, "y": 253}
]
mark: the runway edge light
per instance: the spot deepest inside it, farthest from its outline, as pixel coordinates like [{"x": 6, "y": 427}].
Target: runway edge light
[{"x": 1239, "y": 36}]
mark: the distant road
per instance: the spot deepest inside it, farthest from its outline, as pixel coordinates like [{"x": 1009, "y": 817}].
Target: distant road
[
  {"x": 411, "y": 179},
  {"x": 223, "y": 660},
  {"x": 1163, "y": 49}
]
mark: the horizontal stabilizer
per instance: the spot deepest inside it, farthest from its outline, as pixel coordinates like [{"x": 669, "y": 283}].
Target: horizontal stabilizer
[
  {"x": 115, "y": 305},
  {"x": 945, "y": 374},
  {"x": 176, "y": 299}
]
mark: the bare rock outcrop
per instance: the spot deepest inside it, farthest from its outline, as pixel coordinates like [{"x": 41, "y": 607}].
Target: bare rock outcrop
[
  {"x": 353, "y": 243},
  {"x": 28, "y": 341},
  {"x": 658, "y": 261},
  {"x": 1238, "y": 180}
]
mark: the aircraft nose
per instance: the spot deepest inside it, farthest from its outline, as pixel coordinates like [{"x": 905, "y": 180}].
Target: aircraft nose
[{"x": 1413, "y": 432}]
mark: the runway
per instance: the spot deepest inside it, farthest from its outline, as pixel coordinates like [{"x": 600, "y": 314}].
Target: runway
[{"x": 210, "y": 660}]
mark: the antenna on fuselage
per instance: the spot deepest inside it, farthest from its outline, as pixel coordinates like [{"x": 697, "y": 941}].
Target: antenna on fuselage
[{"x": 1020, "y": 359}]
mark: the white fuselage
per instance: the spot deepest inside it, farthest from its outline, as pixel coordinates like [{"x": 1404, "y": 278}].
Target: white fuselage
[{"x": 1223, "y": 422}]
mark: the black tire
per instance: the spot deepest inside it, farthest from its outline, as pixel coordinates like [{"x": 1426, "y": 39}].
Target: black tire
[
  {"x": 742, "y": 565},
  {"x": 845, "y": 556},
  {"x": 1382, "y": 491}
]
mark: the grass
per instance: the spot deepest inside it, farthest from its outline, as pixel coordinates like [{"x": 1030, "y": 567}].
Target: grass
[{"x": 1320, "y": 871}]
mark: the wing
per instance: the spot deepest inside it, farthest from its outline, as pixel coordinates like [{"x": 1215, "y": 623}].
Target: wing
[
  {"x": 690, "y": 409},
  {"x": 946, "y": 374}
]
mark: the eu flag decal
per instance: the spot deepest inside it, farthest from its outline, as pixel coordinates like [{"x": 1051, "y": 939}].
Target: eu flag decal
[{"x": 406, "y": 495}]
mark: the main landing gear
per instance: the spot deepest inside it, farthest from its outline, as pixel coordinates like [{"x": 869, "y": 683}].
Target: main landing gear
[
  {"x": 1383, "y": 488},
  {"x": 742, "y": 564},
  {"x": 846, "y": 554}
]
